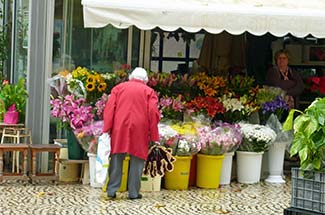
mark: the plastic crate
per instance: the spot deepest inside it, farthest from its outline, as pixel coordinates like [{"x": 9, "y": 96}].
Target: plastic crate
[
  {"x": 308, "y": 190},
  {"x": 296, "y": 211}
]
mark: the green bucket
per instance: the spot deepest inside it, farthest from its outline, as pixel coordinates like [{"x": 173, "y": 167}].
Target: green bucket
[{"x": 75, "y": 151}]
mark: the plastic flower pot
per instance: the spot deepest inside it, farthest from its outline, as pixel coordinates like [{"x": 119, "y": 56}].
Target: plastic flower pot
[
  {"x": 75, "y": 151},
  {"x": 249, "y": 166},
  {"x": 178, "y": 179},
  {"x": 226, "y": 168},
  {"x": 208, "y": 170}
]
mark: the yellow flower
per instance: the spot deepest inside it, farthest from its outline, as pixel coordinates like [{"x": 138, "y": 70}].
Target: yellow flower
[
  {"x": 64, "y": 73},
  {"x": 101, "y": 87},
  {"x": 90, "y": 86},
  {"x": 98, "y": 78},
  {"x": 80, "y": 135},
  {"x": 80, "y": 72},
  {"x": 210, "y": 91},
  {"x": 91, "y": 79},
  {"x": 187, "y": 128}
]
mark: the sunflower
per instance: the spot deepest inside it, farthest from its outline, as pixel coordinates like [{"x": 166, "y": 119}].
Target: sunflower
[
  {"x": 101, "y": 87},
  {"x": 98, "y": 78},
  {"x": 91, "y": 79},
  {"x": 90, "y": 86}
]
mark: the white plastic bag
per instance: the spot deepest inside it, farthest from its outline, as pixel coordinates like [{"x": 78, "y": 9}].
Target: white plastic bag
[{"x": 102, "y": 159}]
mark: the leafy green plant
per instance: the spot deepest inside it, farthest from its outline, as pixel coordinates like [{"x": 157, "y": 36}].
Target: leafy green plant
[
  {"x": 309, "y": 135},
  {"x": 14, "y": 94}
]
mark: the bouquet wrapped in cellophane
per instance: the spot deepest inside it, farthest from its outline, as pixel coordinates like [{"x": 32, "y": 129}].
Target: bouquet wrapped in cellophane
[
  {"x": 256, "y": 137},
  {"x": 180, "y": 137},
  {"x": 219, "y": 139},
  {"x": 87, "y": 136}
]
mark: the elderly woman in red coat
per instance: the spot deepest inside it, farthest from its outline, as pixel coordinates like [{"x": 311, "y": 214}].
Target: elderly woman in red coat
[{"x": 131, "y": 117}]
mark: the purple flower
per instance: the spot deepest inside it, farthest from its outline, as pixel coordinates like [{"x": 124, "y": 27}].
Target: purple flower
[{"x": 277, "y": 106}]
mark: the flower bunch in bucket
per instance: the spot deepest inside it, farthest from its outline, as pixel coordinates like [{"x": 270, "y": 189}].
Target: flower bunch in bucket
[
  {"x": 256, "y": 137},
  {"x": 181, "y": 138},
  {"x": 87, "y": 135},
  {"x": 220, "y": 138},
  {"x": 277, "y": 106}
]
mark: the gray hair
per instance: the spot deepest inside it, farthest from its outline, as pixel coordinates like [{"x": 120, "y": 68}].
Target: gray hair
[{"x": 139, "y": 74}]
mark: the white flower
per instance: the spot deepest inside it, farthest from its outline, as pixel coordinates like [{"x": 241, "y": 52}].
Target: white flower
[
  {"x": 259, "y": 133},
  {"x": 166, "y": 131},
  {"x": 232, "y": 104}
]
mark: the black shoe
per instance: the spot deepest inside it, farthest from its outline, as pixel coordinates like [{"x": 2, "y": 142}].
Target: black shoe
[
  {"x": 111, "y": 197},
  {"x": 138, "y": 197}
]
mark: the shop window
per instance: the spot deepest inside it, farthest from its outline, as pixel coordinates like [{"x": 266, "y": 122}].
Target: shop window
[
  {"x": 101, "y": 49},
  {"x": 174, "y": 51},
  {"x": 14, "y": 15}
]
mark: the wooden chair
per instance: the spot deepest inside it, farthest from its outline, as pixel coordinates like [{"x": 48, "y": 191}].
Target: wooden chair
[
  {"x": 14, "y": 148},
  {"x": 51, "y": 148},
  {"x": 16, "y": 134}
]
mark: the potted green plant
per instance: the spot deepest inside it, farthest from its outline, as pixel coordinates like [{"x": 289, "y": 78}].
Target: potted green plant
[
  {"x": 309, "y": 135},
  {"x": 308, "y": 181},
  {"x": 14, "y": 94}
]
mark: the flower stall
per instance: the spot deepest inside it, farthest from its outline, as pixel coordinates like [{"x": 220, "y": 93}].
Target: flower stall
[{"x": 199, "y": 112}]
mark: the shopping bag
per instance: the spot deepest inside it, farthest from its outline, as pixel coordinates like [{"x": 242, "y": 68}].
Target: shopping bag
[{"x": 102, "y": 159}]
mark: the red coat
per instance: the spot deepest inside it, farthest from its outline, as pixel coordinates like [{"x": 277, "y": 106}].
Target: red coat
[{"x": 131, "y": 116}]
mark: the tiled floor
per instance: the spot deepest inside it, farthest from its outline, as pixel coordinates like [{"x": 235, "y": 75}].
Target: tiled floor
[{"x": 16, "y": 198}]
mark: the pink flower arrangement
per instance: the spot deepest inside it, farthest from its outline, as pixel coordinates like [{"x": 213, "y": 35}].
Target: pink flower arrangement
[
  {"x": 100, "y": 105},
  {"x": 172, "y": 108},
  {"x": 181, "y": 140},
  {"x": 73, "y": 112},
  {"x": 88, "y": 135},
  {"x": 218, "y": 140}
]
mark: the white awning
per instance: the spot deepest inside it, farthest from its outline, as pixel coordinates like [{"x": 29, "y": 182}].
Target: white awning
[{"x": 279, "y": 17}]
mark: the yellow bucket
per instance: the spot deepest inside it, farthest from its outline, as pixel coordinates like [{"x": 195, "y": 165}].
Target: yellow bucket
[
  {"x": 178, "y": 179},
  {"x": 208, "y": 170},
  {"x": 124, "y": 181}
]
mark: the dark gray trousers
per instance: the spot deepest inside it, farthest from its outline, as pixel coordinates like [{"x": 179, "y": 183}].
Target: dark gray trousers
[{"x": 134, "y": 176}]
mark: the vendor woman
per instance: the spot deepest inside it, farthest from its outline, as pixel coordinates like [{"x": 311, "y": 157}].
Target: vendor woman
[{"x": 284, "y": 77}]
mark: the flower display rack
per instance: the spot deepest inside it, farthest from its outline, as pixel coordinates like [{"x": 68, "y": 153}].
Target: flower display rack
[{"x": 308, "y": 190}]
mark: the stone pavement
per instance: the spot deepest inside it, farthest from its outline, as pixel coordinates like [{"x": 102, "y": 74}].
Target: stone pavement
[{"x": 49, "y": 199}]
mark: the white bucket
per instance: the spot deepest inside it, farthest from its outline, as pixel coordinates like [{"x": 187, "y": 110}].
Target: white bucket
[
  {"x": 226, "y": 169},
  {"x": 249, "y": 167},
  {"x": 92, "y": 170}
]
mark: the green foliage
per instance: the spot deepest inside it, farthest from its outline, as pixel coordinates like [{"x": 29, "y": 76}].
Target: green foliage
[
  {"x": 3, "y": 43},
  {"x": 15, "y": 94},
  {"x": 309, "y": 135},
  {"x": 241, "y": 85},
  {"x": 253, "y": 146}
]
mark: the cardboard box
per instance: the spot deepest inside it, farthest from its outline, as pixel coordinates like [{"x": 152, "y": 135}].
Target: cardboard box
[{"x": 150, "y": 184}]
